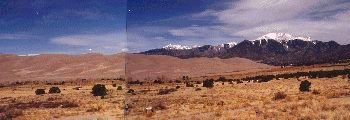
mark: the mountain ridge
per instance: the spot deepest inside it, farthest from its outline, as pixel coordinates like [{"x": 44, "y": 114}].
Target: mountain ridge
[{"x": 268, "y": 51}]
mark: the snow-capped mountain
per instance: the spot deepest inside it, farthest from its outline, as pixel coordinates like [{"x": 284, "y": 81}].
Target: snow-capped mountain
[
  {"x": 179, "y": 47},
  {"x": 282, "y": 37},
  {"x": 185, "y": 47},
  {"x": 176, "y": 47},
  {"x": 272, "y": 48},
  {"x": 228, "y": 45},
  {"x": 29, "y": 55}
]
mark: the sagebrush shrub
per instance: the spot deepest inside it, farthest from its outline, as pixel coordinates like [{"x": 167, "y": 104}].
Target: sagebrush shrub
[
  {"x": 209, "y": 83},
  {"x": 39, "y": 91},
  {"x": 99, "y": 90},
  {"x": 305, "y": 86},
  {"x": 119, "y": 88},
  {"x": 54, "y": 90},
  {"x": 131, "y": 91}
]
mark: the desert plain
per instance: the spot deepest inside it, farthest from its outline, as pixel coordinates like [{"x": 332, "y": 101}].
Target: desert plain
[{"x": 173, "y": 88}]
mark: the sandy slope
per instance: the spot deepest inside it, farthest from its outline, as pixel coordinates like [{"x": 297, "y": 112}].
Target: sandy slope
[
  {"x": 144, "y": 66},
  {"x": 47, "y": 67},
  {"x": 96, "y": 66}
]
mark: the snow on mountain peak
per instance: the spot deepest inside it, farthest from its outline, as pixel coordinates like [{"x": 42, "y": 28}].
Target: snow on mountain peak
[
  {"x": 178, "y": 47},
  {"x": 28, "y": 55},
  {"x": 229, "y": 45},
  {"x": 282, "y": 37}
]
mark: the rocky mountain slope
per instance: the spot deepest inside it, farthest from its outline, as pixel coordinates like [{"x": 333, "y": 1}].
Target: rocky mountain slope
[{"x": 272, "y": 48}]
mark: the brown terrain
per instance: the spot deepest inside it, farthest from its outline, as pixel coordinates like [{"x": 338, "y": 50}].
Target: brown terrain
[
  {"x": 95, "y": 66},
  {"x": 140, "y": 67},
  {"x": 60, "y": 67},
  {"x": 75, "y": 75},
  {"x": 328, "y": 99}
]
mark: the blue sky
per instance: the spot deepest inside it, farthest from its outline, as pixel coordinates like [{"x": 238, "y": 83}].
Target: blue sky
[
  {"x": 75, "y": 26},
  {"x": 62, "y": 26},
  {"x": 156, "y": 23}
]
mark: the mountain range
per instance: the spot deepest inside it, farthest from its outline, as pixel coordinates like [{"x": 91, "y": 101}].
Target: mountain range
[{"x": 272, "y": 48}]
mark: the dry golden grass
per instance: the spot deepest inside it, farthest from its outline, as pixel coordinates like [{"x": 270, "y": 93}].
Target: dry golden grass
[
  {"x": 22, "y": 102},
  {"x": 246, "y": 101}
]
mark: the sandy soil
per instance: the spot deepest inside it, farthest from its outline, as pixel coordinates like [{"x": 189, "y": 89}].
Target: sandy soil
[
  {"x": 141, "y": 67},
  {"x": 244, "y": 101},
  {"x": 328, "y": 99},
  {"x": 22, "y": 103},
  {"x": 60, "y": 67}
]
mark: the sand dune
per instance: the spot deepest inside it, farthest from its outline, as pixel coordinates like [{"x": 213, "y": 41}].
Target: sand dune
[
  {"x": 93, "y": 66},
  {"x": 152, "y": 66},
  {"x": 58, "y": 67}
]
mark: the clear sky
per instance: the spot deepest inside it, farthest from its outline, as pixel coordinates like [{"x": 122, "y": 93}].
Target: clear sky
[
  {"x": 75, "y": 26},
  {"x": 62, "y": 26},
  {"x": 156, "y": 23}
]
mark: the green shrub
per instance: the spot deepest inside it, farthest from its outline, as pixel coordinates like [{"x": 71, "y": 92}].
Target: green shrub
[
  {"x": 131, "y": 91},
  {"x": 39, "y": 91},
  {"x": 305, "y": 86},
  {"x": 99, "y": 90},
  {"x": 222, "y": 79},
  {"x": 119, "y": 88},
  {"x": 54, "y": 90},
  {"x": 114, "y": 85},
  {"x": 209, "y": 83}
]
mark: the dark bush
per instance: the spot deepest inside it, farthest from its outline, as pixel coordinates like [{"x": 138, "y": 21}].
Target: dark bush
[
  {"x": 158, "y": 81},
  {"x": 177, "y": 87},
  {"x": 135, "y": 82},
  {"x": 39, "y": 91},
  {"x": 222, "y": 79},
  {"x": 279, "y": 96},
  {"x": 114, "y": 85},
  {"x": 239, "y": 81},
  {"x": 177, "y": 81},
  {"x": 54, "y": 90},
  {"x": 119, "y": 88},
  {"x": 131, "y": 91},
  {"x": 305, "y": 86},
  {"x": 185, "y": 78},
  {"x": 209, "y": 83},
  {"x": 198, "y": 89},
  {"x": 99, "y": 90}
]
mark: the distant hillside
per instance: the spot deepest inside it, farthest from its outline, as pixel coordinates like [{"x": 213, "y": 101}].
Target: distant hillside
[
  {"x": 152, "y": 66},
  {"x": 273, "y": 49},
  {"x": 60, "y": 67}
]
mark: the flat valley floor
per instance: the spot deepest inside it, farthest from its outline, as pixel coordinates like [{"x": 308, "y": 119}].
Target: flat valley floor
[{"x": 328, "y": 99}]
